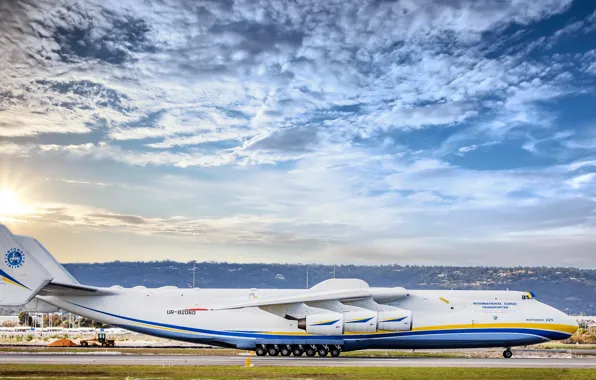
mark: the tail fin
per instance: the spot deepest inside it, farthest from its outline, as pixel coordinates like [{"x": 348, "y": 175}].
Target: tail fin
[
  {"x": 21, "y": 275},
  {"x": 46, "y": 260}
]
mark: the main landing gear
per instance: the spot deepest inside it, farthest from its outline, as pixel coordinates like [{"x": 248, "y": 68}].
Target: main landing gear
[
  {"x": 298, "y": 350},
  {"x": 507, "y": 354}
]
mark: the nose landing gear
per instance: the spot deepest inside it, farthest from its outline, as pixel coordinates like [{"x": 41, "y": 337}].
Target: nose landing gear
[{"x": 507, "y": 354}]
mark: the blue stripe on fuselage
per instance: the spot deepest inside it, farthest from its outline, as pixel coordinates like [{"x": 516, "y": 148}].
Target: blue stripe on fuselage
[{"x": 549, "y": 334}]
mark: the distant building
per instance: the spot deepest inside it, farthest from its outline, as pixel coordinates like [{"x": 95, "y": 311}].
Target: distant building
[
  {"x": 8, "y": 318},
  {"x": 586, "y": 321}
]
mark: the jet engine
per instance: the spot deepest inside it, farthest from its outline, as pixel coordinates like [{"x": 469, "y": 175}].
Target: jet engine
[
  {"x": 323, "y": 324},
  {"x": 360, "y": 321},
  {"x": 395, "y": 320}
]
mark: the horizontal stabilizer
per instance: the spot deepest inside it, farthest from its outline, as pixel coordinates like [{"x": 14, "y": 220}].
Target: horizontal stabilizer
[{"x": 58, "y": 289}]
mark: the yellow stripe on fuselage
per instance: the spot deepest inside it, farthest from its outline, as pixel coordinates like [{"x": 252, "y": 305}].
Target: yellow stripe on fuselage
[
  {"x": 568, "y": 329},
  {"x": 12, "y": 282},
  {"x": 165, "y": 328}
]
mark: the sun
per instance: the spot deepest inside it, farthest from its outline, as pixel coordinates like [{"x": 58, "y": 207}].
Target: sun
[{"x": 10, "y": 203}]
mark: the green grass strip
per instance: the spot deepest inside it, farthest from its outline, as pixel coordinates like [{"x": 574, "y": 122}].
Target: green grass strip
[{"x": 41, "y": 372}]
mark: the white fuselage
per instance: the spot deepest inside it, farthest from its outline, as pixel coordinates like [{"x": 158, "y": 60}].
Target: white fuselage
[{"x": 440, "y": 318}]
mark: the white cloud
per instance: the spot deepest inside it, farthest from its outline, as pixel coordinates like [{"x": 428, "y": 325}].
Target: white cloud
[
  {"x": 316, "y": 112},
  {"x": 277, "y": 70},
  {"x": 581, "y": 180}
]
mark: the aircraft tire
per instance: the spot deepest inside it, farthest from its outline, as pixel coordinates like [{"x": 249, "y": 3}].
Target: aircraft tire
[
  {"x": 322, "y": 351},
  {"x": 297, "y": 351},
  {"x": 310, "y": 352},
  {"x": 507, "y": 354},
  {"x": 285, "y": 351},
  {"x": 260, "y": 351},
  {"x": 272, "y": 351}
]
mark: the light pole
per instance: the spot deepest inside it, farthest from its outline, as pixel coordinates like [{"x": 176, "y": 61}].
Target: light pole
[
  {"x": 194, "y": 270},
  {"x": 307, "y": 277}
]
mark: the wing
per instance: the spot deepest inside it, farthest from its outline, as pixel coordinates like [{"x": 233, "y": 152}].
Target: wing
[
  {"x": 342, "y": 295},
  {"x": 382, "y": 295}
]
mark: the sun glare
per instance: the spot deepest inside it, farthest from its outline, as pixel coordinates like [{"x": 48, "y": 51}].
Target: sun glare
[{"x": 10, "y": 203}]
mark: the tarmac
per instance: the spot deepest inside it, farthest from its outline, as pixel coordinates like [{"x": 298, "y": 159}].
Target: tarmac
[{"x": 188, "y": 360}]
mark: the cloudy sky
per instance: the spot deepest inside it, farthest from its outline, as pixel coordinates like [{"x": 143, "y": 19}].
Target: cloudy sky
[{"x": 413, "y": 132}]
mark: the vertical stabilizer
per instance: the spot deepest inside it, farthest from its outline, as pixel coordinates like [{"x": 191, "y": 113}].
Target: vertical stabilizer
[
  {"x": 21, "y": 276},
  {"x": 46, "y": 260}
]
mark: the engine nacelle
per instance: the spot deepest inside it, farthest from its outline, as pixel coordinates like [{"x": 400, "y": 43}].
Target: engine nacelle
[
  {"x": 360, "y": 321},
  {"x": 398, "y": 320},
  {"x": 325, "y": 324}
]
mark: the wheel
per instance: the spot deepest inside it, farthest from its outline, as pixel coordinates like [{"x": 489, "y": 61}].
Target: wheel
[
  {"x": 322, "y": 351},
  {"x": 297, "y": 351},
  {"x": 273, "y": 351},
  {"x": 285, "y": 351},
  {"x": 310, "y": 351},
  {"x": 260, "y": 351},
  {"x": 84, "y": 344},
  {"x": 335, "y": 352},
  {"x": 507, "y": 354},
  {"x": 111, "y": 344},
  {"x": 104, "y": 344}
]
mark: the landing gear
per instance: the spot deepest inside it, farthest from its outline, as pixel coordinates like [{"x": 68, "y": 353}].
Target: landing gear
[
  {"x": 322, "y": 350},
  {"x": 507, "y": 354},
  {"x": 298, "y": 350},
  {"x": 335, "y": 351}
]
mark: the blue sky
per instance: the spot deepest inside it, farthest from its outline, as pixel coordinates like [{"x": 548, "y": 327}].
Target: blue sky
[{"x": 413, "y": 132}]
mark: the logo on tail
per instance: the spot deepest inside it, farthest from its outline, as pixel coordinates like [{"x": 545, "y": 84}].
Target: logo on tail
[{"x": 15, "y": 258}]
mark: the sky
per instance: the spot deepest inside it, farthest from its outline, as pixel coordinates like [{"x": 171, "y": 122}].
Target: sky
[{"x": 426, "y": 132}]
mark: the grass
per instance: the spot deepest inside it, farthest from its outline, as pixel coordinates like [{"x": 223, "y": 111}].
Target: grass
[{"x": 41, "y": 372}]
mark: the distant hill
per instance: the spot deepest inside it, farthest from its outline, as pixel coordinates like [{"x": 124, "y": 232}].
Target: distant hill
[{"x": 564, "y": 288}]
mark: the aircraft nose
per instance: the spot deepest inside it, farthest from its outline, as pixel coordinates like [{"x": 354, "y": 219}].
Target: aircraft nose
[
  {"x": 571, "y": 325},
  {"x": 573, "y": 322}
]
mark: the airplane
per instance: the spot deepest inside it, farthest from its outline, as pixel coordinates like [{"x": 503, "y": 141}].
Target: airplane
[{"x": 331, "y": 317}]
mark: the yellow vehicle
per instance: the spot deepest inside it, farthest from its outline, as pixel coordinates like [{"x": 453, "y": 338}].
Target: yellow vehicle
[{"x": 99, "y": 341}]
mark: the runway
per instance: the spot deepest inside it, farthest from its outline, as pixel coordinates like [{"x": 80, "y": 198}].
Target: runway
[{"x": 188, "y": 360}]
